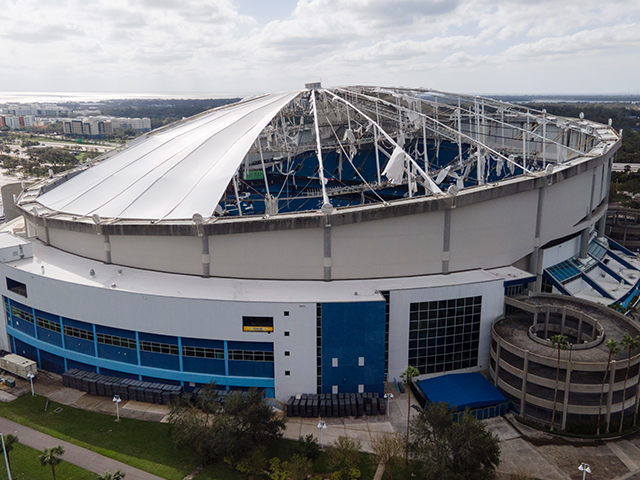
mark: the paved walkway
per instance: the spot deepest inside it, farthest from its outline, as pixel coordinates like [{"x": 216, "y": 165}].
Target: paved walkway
[{"x": 79, "y": 456}]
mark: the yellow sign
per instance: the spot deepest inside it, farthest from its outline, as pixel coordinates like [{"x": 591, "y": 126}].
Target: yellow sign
[{"x": 257, "y": 329}]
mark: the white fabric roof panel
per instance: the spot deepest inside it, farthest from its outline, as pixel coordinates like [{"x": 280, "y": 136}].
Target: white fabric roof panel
[{"x": 173, "y": 173}]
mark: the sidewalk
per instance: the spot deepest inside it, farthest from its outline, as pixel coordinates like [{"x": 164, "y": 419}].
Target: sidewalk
[{"x": 79, "y": 456}]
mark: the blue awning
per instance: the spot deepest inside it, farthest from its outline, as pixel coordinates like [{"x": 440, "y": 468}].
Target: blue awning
[{"x": 462, "y": 390}]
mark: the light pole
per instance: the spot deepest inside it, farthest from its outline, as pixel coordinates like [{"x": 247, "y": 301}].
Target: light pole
[
  {"x": 6, "y": 459},
  {"x": 30, "y": 376},
  {"x": 322, "y": 425},
  {"x": 388, "y": 397},
  {"x": 584, "y": 468},
  {"x": 116, "y": 399}
]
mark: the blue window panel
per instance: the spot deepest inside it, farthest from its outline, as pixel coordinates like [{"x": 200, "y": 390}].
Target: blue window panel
[
  {"x": 151, "y": 337},
  {"x": 116, "y": 373},
  {"x": 119, "y": 354},
  {"x": 203, "y": 365},
  {"x": 116, "y": 332},
  {"x": 351, "y": 331},
  {"x": 79, "y": 345},
  {"x": 160, "y": 360},
  {"x": 197, "y": 342},
  {"x": 23, "y": 326},
  {"x": 22, "y": 307},
  {"x": 49, "y": 336},
  {"x": 81, "y": 366},
  {"x": 77, "y": 324},
  {"x": 52, "y": 363},
  {"x": 25, "y": 350},
  {"x": 250, "y": 369},
  {"x": 160, "y": 380},
  {"x": 256, "y": 346}
]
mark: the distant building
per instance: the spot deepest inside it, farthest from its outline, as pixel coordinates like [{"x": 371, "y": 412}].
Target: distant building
[
  {"x": 101, "y": 126},
  {"x": 15, "y": 122}
]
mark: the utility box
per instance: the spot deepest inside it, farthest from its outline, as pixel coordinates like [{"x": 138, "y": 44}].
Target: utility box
[{"x": 18, "y": 365}]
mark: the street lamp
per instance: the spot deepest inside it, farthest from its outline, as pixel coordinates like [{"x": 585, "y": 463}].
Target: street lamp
[
  {"x": 6, "y": 458},
  {"x": 388, "y": 397},
  {"x": 116, "y": 399},
  {"x": 30, "y": 376},
  {"x": 322, "y": 425},
  {"x": 584, "y": 468}
]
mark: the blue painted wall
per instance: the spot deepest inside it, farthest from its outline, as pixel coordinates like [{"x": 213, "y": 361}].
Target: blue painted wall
[{"x": 351, "y": 331}]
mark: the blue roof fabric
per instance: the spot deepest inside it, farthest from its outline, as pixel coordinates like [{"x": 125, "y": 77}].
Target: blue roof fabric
[{"x": 464, "y": 390}]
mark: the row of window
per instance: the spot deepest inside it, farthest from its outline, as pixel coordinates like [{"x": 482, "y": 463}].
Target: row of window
[
  {"x": 78, "y": 333},
  {"x": 203, "y": 352},
  {"x": 48, "y": 324},
  {"x": 16, "y": 312},
  {"x": 156, "y": 347},
  {"x": 251, "y": 356},
  {"x": 116, "y": 341}
]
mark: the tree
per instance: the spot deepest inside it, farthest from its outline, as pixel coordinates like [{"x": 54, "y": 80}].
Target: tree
[
  {"x": 448, "y": 450},
  {"x": 245, "y": 422},
  {"x": 51, "y": 456},
  {"x": 9, "y": 440},
  {"x": 614, "y": 349},
  {"x": 299, "y": 467},
  {"x": 344, "y": 454},
  {"x": 117, "y": 475},
  {"x": 407, "y": 379},
  {"x": 388, "y": 449},
  {"x": 560, "y": 343},
  {"x": 630, "y": 343}
]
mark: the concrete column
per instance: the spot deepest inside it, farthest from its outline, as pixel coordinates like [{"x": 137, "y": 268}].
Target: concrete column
[
  {"x": 326, "y": 260},
  {"x": 107, "y": 249},
  {"x": 446, "y": 241},
  {"x": 47, "y": 241},
  {"x": 495, "y": 380},
  {"x": 564, "y": 318},
  {"x": 525, "y": 373},
  {"x": 579, "y": 334},
  {"x": 612, "y": 376},
  {"x": 535, "y": 265},
  {"x": 567, "y": 387},
  {"x": 206, "y": 258},
  {"x": 535, "y": 317},
  {"x": 584, "y": 244},
  {"x": 602, "y": 225},
  {"x": 546, "y": 323}
]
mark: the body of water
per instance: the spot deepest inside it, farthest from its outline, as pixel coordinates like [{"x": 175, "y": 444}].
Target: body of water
[{"x": 62, "y": 97}]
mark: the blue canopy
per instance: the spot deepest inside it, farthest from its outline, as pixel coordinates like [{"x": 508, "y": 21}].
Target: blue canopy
[{"x": 464, "y": 390}]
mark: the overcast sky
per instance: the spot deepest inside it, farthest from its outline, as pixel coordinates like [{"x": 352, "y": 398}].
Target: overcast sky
[{"x": 466, "y": 46}]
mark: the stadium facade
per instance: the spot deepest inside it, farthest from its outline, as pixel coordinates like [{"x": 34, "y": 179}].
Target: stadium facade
[{"x": 311, "y": 241}]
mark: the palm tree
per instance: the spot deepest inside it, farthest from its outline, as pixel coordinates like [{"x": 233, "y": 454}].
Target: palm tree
[
  {"x": 407, "y": 379},
  {"x": 117, "y": 475},
  {"x": 559, "y": 342},
  {"x": 50, "y": 456},
  {"x": 631, "y": 344},
  {"x": 9, "y": 440},
  {"x": 614, "y": 349}
]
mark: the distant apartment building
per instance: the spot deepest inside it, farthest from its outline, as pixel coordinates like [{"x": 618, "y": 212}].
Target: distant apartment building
[
  {"x": 101, "y": 126},
  {"x": 34, "y": 109},
  {"x": 15, "y": 122}
]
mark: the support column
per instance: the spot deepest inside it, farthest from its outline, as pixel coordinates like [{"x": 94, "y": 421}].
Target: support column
[
  {"x": 567, "y": 387},
  {"x": 495, "y": 380},
  {"x": 525, "y": 373},
  {"x": 584, "y": 244},
  {"x": 326, "y": 260},
  {"x": 206, "y": 258},
  {"x": 107, "y": 249},
  {"x": 564, "y": 318},
  {"x": 535, "y": 264},
  {"x": 602, "y": 225},
  {"x": 612, "y": 375},
  {"x": 446, "y": 240},
  {"x": 579, "y": 334},
  {"x": 46, "y": 232},
  {"x": 546, "y": 323}
]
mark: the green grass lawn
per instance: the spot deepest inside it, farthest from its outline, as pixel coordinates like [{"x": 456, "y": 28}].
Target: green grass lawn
[
  {"x": 25, "y": 466},
  {"x": 144, "y": 445}
]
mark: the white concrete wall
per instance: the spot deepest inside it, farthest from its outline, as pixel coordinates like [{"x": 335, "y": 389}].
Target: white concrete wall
[
  {"x": 168, "y": 254},
  {"x": 560, "y": 253},
  {"x": 402, "y": 246},
  {"x": 492, "y": 293},
  {"x": 181, "y": 316}
]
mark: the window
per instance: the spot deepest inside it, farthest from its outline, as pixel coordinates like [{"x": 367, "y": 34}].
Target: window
[
  {"x": 360, "y": 388},
  {"x": 444, "y": 335},
  {"x": 334, "y": 362},
  {"x": 287, "y": 373},
  {"x": 361, "y": 361},
  {"x": 116, "y": 341},
  {"x": 334, "y": 389},
  {"x": 257, "y": 324},
  {"x": 202, "y": 352},
  {"x": 78, "y": 333},
  {"x": 286, "y": 313},
  {"x": 16, "y": 287},
  {"x": 155, "y": 347},
  {"x": 286, "y": 354},
  {"x": 17, "y": 313},
  {"x": 48, "y": 324},
  {"x": 286, "y": 334},
  {"x": 250, "y": 356}
]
